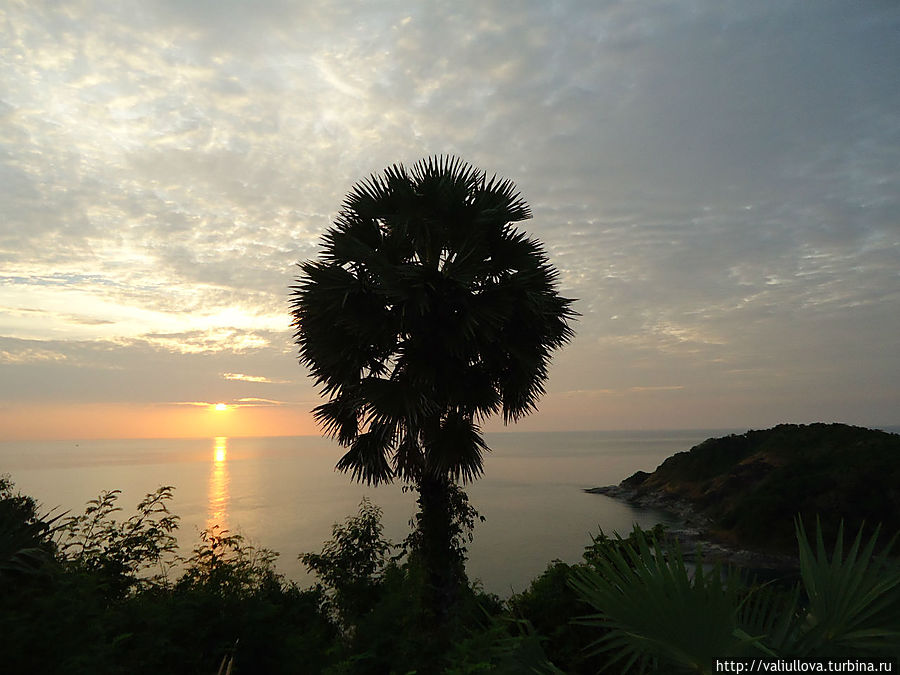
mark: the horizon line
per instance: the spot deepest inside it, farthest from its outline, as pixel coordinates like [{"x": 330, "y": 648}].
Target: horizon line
[{"x": 889, "y": 428}]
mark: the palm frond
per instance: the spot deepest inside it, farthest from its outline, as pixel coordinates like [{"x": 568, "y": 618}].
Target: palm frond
[
  {"x": 394, "y": 399},
  {"x": 339, "y": 417},
  {"x": 409, "y": 459},
  {"x": 854, "y": 599},
  {"x": 499, "y": 196},
  {"x": 366, "y": 460},
  {"x": 373, "y": 197},
  {"x": 352, "y": 241},
  {"x": 773, "y": 616},
  {"x": 656, "y": 611},
  {"x": 457, "y": 449}
]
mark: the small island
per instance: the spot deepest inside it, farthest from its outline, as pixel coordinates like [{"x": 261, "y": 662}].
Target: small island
[{"x": 739, "y": 494}]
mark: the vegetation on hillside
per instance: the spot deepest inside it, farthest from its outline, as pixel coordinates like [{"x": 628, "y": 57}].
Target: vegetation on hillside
[{"x": 752, "y": 485}]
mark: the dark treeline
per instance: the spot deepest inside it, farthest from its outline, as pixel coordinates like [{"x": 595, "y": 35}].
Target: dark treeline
[{"x": 93, "y": 594}]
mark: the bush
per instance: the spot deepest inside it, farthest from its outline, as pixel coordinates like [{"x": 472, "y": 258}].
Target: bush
[
  {"x": 120, "y": 553},
  {"x": 97, "y": 606},
  {"x": 351, "y": 564},
  {"x": 26, "y": 544}
]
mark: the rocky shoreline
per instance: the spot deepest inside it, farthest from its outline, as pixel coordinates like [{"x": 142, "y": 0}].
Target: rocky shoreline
[
  {"x": 693, "y": 531},
  {"x": 736, "y": 497}
]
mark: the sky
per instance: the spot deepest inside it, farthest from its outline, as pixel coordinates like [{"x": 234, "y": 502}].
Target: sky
[{"x": 717, "y": 182}]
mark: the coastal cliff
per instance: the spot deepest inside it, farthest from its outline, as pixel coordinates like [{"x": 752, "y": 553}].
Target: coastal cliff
[{"x": 744, "y": 491}]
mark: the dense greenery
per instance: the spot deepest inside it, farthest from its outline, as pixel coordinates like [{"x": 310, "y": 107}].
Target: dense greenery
[
  {"x": 113, "y": 596},
  {"x": 752, "y": 485},
  {"x": 427, "y": 312},
  {"x": 91, "y": 594},
  {"x": 661, "y": 616}
]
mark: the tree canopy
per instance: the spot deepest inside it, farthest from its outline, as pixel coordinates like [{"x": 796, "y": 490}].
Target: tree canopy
[{"x": 427, "y": 312}]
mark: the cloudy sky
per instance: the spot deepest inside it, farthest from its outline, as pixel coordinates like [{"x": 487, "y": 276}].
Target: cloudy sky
[{"x": 718, "y": 182}]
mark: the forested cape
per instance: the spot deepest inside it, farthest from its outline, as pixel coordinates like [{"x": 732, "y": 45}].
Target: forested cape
[{"x": 751, "y": 486}]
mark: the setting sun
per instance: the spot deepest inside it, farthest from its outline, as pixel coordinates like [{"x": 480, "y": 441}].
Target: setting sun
[{"x": 220, "y": 407}]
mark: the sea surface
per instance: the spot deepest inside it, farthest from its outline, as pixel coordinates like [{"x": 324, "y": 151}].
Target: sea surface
[{"x": 283, "y": 493}]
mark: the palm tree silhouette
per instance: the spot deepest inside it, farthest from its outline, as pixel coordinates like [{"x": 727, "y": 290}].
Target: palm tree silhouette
[{"x": 426, "y": 313}]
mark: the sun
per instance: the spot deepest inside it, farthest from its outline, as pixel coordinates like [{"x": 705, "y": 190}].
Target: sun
[{"x": 221, "y": 407}]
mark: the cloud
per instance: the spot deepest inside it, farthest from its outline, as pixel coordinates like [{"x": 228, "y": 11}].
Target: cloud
[
  {"x": 674, "y": 387},
  {"x": 135, "y": 371},
  {"x": 214, "y": 340},
  {"x": 596, "y": 393},
  {"x": 249, "y": 402},
  {"x": 257, "y": 402},
  {"x": 720, "y": 177},
  {"x": 253, "y": 378},
  {"x": 28, "y": 355}
]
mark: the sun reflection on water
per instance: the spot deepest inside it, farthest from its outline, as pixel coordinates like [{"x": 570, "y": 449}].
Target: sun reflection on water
[{"x": 218, "y": 485}]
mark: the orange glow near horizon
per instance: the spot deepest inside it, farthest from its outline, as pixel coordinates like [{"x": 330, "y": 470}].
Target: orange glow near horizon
[
  {"x": 20, "y": 422},
  {"x": 83, "y": 421}
]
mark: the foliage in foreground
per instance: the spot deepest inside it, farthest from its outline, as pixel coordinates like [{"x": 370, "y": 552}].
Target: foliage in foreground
[
  {"x": 656, "y": 614},
  {"x": 99, "y": 598},
  {"x": 101, "y": 593},
  {"x": 105, "y": 593},
  {"x": 380, "y": 602}
]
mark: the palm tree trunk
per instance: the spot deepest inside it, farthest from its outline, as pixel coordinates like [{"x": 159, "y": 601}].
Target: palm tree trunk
[{"x": 443, "y": 562}]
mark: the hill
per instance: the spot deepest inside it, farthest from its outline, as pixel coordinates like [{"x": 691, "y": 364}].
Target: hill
[{"x": 747, "y": 488}]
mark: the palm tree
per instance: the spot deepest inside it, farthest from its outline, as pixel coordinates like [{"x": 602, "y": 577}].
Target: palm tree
[{"x": 426, "y": 313}]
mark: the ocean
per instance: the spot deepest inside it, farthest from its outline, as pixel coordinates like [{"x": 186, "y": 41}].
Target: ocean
[{"x": 283, "y": 493}]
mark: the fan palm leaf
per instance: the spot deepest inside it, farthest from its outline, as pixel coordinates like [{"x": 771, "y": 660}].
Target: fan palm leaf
[
  {"x": 658, "y": 614},
  {"x": 853, "y": 597}
]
